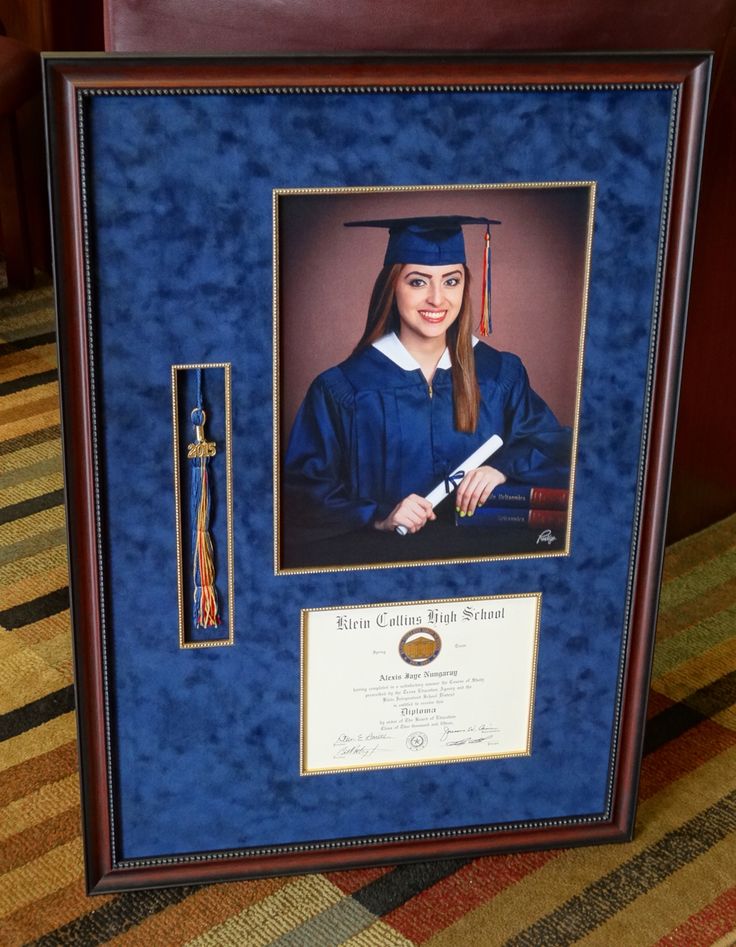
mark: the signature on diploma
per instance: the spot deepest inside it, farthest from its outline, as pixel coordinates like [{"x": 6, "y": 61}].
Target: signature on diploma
[
  {"x": 546, "y": 536},
  {"x": 360, "y": 746},
  {"x": 483, "y": 733}
]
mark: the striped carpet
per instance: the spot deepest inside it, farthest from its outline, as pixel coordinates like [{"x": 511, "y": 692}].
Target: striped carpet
[{"x": 674, "y": 885}]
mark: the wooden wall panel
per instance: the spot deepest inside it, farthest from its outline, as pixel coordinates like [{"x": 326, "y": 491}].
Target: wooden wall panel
[
  {"x": 380, "y": 25},
  {"x": 49, "y": 25},
  {"x": 45, "y": 25}
]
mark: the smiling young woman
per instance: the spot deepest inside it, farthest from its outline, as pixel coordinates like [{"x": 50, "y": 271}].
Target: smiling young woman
[{"x": 429, "y": 309}]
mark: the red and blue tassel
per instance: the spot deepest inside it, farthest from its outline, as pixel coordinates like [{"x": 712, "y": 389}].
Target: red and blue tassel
[{"x": 485, "y": 307}]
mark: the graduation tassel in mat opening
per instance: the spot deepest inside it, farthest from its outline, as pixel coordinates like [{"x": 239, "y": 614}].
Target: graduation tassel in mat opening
[{"x": 203, "y": 563}]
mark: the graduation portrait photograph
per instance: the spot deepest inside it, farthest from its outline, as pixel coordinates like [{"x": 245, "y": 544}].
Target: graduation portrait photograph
[{"x": 428, "y": 371}]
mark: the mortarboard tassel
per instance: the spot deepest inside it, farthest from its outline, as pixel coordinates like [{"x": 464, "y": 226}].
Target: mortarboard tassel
[
  {"x": 485, "y": 307},
  {"x": 203, "y": 565}
]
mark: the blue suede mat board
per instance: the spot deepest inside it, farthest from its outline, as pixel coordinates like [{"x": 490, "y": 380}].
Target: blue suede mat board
[{"x": 205, "y": 743}]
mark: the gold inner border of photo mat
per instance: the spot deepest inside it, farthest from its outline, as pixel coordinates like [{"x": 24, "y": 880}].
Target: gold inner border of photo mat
[
  {"x": 180, "y": 554},
  {"x": 428, "y": 188},
  {"x": 304, "y": 698}
]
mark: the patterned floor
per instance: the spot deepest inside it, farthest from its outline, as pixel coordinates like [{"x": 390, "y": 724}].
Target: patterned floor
[{"x": 675, "y": 884}]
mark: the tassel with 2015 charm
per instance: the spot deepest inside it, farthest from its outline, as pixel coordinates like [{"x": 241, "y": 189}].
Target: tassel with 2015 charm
[{"x": 205, "y": 613}]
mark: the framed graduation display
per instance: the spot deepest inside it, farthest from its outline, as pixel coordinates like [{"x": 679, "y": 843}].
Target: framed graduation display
[{"x": 368, "y": 375}]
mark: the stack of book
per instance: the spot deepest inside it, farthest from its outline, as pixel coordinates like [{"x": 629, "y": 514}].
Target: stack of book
[{"x": 510, "y": 505}]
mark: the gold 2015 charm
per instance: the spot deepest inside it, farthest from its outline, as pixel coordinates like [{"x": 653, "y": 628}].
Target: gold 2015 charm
[{"x": 202, "y": 447}]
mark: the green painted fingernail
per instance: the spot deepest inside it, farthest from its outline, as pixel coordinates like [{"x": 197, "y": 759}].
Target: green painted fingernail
[
  {"x": 470, "y": 512},
  {"x": 461, "y": 513}
]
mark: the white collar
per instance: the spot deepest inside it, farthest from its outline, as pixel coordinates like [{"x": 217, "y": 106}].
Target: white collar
[{"x": 391, "y": 346}]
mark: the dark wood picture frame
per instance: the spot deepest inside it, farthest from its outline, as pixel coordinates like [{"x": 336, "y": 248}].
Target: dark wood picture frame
[{"x": 68, "y": 80}]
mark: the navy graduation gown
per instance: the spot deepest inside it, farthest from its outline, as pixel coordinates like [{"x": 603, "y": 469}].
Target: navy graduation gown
[{"x": 370, "y": 432}]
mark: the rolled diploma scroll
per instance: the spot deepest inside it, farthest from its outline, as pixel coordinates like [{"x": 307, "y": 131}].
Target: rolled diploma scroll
[{"x": 439, "y": 493}]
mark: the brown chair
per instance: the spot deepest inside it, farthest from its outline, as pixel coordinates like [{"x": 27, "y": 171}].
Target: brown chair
[{"x": 20, "y": 81}]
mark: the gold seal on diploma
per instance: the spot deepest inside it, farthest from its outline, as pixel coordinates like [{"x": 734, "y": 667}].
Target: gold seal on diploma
[{"x": 420, "y": 646}]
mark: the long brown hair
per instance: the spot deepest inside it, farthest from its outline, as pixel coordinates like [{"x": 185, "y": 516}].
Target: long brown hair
[{"x": 383, "y": 317}]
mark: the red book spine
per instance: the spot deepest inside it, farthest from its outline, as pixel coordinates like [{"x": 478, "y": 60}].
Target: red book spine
[
  {"x": 548, "y": 498},
  {"x": 547, "y": 519}
]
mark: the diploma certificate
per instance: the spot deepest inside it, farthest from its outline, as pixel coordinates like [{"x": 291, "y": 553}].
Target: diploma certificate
[{"x": 415, "y": 683}]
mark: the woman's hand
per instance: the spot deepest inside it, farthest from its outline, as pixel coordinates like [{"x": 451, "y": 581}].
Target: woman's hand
[
  {"x": 413, "y": 513},
  {"x": 475, "y": 488}
]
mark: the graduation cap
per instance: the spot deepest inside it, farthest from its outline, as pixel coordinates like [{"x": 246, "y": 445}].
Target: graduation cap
[{"x": 435, "y": 241}]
